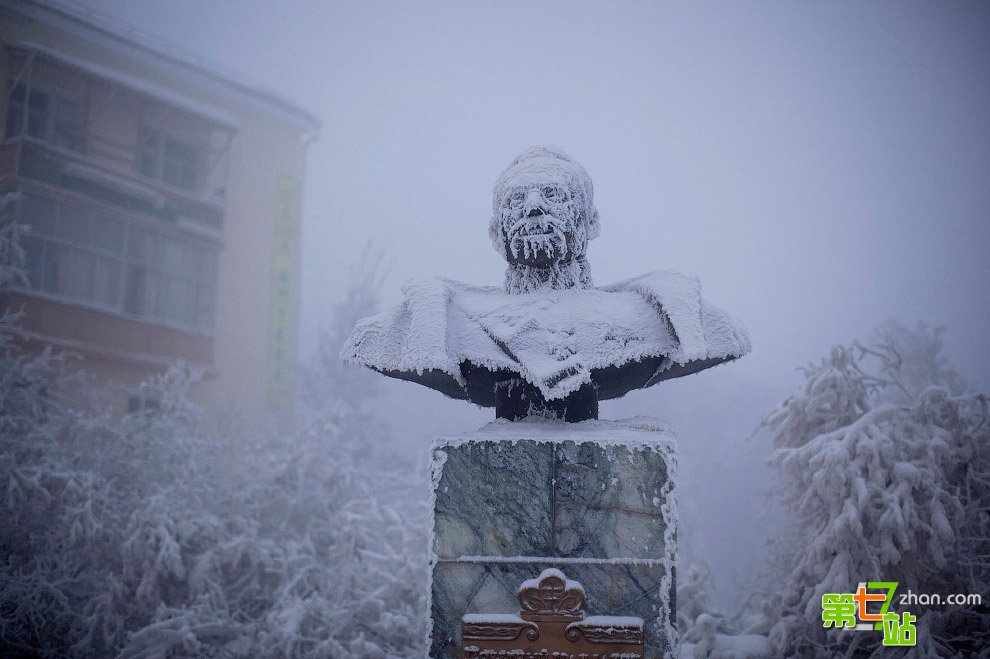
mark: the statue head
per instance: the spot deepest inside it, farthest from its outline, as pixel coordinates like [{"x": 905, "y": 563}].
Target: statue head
[{"x": 543, "y": 210}]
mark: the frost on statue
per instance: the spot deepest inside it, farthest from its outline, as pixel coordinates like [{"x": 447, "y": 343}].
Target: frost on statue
[{"x": 549, "y": 343}]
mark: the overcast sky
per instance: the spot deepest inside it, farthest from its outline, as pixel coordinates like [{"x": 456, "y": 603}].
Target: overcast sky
[{"x": 820, "y": 166}]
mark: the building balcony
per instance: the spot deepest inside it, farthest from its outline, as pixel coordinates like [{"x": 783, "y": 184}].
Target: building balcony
[
  {"x": 118, "y": 268},
  {"x": 110, "y": 182},
  {"x": 103, "y": 336}
]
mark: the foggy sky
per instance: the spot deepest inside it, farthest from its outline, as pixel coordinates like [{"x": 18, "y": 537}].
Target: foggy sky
[{"x": 820, "y": 166}]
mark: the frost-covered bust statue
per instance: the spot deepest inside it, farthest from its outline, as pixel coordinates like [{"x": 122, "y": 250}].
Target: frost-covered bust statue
[
  {"x": 544, "y": 215},
  {"x": 548, "y": 343}
]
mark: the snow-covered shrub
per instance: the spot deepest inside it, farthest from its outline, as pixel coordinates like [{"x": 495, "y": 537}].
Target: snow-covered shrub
[
  {"x": 693, "y": 591},
  {"x": 885, "y": 464},
  {"x": 706, "y": 634},
  {"x": 142, "y": 537}
]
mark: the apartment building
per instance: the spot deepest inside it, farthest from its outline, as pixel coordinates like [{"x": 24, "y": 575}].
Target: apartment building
[{"x": 163, "y": 200}]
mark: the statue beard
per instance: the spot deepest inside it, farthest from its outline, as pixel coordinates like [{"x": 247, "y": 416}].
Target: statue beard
[
  {"x": 541, "y": 257},
  {"x": 561, "y": 275},
  {"x": 538, "y": 242}
]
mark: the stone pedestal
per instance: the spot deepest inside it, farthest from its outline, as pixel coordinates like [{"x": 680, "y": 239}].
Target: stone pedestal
[{"x": 593, "y": 499}]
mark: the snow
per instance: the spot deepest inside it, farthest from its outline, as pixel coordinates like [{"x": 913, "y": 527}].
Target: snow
[
  {"x": 703, "y": 330},
  {"x": 886, "y": 472},
  {"x": 573, "y": 273},
  {"x": 610, "y": 621},
  {"x": 155, "y": 91},
  {"x": 636, "y": 433},
  {"x": 569, "y": 584},
  {"x": 140, "y": 536},
  {"x": 553, "y": 339},
  {"x": 728, "y": 646}
]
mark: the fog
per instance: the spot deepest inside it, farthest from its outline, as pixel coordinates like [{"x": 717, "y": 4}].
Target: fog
[{"x": 821, "y": 168}]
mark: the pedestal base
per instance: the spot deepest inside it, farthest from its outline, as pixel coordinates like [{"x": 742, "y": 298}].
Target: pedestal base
[{"x": 594, "y": 499}]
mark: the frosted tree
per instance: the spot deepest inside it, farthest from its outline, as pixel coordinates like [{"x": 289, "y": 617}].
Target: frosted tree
[
  {"x": 142, "y": 537},
  {"x": 693, "y": 591},
  {"x": 885, "y": 465},
  {"x": 706, "y": 634}
]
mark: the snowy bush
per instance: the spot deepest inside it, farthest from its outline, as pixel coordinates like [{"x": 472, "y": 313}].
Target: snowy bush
[
  {"x": 885, "y": 465},
  {"x": 141, "y": 537},
  {"x": 693, "y": 591},
  {"x": 705, "y": 634}
]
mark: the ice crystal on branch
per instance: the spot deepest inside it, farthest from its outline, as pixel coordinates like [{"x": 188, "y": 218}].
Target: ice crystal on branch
[{"x": 885, "y": 464}]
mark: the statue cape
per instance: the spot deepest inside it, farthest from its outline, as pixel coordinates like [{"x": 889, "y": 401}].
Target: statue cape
[{"x": 462, "y": 339}]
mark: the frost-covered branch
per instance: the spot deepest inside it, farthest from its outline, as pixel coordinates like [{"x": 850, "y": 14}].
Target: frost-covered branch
[
  {"x": 885, "y": 464},
  {"x": 142, "y": 537}
]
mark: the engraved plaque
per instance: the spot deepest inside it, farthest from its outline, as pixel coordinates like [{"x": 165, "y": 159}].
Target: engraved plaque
[{"x": 551, "y": 624}]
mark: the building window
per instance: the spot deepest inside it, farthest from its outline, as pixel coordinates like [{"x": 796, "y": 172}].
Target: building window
[
  {"x": 51, "y": 117},
  {"x": 110, "y": 262},
  {"x": 170, "y": 280},
  {"x": 170, "y": 159}
]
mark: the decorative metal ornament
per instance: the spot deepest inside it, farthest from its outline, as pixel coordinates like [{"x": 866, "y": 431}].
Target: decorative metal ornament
[{"x": 551, "y": 624}]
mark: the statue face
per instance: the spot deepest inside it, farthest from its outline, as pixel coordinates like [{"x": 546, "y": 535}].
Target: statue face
[
  {"x": 538, "y": 221},
  {"x": 543, "y": 213}
]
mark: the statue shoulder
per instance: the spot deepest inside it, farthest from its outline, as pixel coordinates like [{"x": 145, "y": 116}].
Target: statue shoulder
[
  {"x": 427, "y": 331},
  {"x": 703, "y": 330},
  {"x": 410, "y": 336},
  {"x": 660, "y": 282},
  {"x": 420, "y": 287}
]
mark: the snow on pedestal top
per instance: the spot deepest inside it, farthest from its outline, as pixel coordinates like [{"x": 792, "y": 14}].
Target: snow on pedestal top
[{"x": 636, "y": 433}]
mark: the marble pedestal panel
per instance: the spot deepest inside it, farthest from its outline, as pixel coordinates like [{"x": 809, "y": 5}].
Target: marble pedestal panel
[{"x": 593, "y": 499}]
